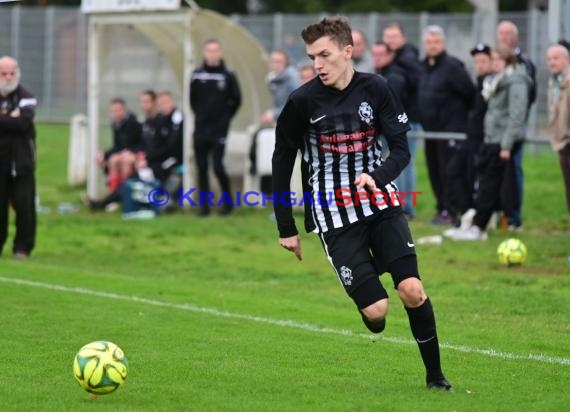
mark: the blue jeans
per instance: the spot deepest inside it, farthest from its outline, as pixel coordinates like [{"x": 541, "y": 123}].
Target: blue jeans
[
  {"x": 515, "y": 219},
  {"x": 407, "y": 181},
  {"x": 134, "y": 195}
]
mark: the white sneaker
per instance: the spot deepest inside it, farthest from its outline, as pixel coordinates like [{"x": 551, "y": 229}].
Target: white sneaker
[
  {"x": 494, "y": 221},
  {"x": 467, "y": 219},
  {"x": 450, "y": 233},
  {"x": 112, "y": 207},
  {"x": 139, "y": 215},
  {"x": 473, "y": 233}
]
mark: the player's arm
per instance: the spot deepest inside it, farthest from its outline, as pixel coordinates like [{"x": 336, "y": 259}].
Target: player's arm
[
  {"x": 194, "y": 97},
  {"x": 392, "y": 122},
  {"x": 288, "y": 135},
  {"x": 234, "y": 99}
]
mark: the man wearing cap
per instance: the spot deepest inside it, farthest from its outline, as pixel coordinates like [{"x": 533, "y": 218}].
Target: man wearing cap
[{"x": 462, "y": 171}]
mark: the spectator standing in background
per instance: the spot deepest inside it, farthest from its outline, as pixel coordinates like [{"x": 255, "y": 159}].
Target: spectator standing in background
[
  {"x": 361, "y": 57},
  {"x": 306, "y": 73},
  {"x": 17, "y": 159},
  {"x": 281, "y": 80},
  {"x": 445, "y": 97},
  {"x": 120, "y": 158},
  {"x": 215, "y": 98},
  {"x": 508, "y": 35},
  {"x": 559, "y": 109},
  {"x": 383, "y": 59},
  {"x": 406, "y": 57},
  {"x": 384, "y": 65},
  {"x": 462, "y": 168},
  {"x": 507, "y": 96}
]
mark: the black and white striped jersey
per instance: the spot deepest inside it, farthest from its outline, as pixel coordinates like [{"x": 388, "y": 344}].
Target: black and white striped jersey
[{"x": 337, "y": 132}]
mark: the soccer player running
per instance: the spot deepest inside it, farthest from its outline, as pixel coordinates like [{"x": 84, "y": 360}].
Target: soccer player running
[{"x": 335, "y": 120}]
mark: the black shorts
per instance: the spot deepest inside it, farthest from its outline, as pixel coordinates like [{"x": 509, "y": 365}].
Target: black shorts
[{"x": 367, "y": 249}]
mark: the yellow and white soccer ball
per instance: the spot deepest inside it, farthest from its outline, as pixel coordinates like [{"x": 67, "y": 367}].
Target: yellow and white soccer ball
[
  {"x": 511, "y": 252},
  {"x": 100, "y": 367}
]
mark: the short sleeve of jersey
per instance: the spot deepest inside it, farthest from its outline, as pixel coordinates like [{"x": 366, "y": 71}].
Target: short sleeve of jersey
[{"x": 392, "y": 119}]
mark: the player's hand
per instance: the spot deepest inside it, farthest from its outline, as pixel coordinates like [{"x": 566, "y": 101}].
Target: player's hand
[
  {"x": 505, "y": 154},
  {"x": 266, "y": 118},
  {"x": 365, "y": 180},
  {"x": 292, "y": 244},
  {"x": 100, "y": 158},
  {"x": 15, "y": 113}
]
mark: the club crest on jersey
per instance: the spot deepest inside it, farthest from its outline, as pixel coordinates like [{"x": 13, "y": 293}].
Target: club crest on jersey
[
  {"x": 365, "y": 113},
  {"x": 345, "y": 276}
]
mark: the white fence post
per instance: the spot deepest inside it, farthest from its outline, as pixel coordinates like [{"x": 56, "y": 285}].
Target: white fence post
[{"x": 77, "y": 155}]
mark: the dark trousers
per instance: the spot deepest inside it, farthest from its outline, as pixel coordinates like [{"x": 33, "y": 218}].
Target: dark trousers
[
  {"x": 202, "y": 149},
  {"x": 565, "y": 166},
  {"x": 438, "y": 153},
  {"x": 497, "y": 184},
  {"x": 515, "y": 218},
  {"x": 20, "y": 192},
  {"x": 461, "y": 176}
]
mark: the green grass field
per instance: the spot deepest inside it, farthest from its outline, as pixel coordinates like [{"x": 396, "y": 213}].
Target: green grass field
[{"x": 214, "y": 316}]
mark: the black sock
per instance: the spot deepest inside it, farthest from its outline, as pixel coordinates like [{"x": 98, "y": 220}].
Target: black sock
[{"x": 422, "y": 323}]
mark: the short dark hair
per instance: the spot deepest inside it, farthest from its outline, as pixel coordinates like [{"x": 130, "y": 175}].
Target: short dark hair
[
  {"x": 395, "y": 25},
  {"x": 337, "y": 28},
  {"x": 150, "y": 93},
  {"x": 119, "y": 100},
  {"x": 381, "y": 43}
]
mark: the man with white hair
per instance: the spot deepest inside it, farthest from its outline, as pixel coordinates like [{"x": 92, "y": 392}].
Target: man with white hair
[
  {"x": 17, "y": 158},
  {"x": 558, "y": 62},
  {"x": 508, "y": 34},
  {"x": 445, "y": 96}
]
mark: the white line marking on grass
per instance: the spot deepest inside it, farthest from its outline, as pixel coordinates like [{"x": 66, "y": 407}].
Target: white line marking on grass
[{"x": 283, "y": 323}]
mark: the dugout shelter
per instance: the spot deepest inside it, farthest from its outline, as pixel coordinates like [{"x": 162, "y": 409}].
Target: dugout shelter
[{"x": 156, "y": 44}]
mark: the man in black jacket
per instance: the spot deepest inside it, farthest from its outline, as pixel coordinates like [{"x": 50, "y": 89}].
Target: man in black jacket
[
  {"x": 384, "y": 65},
  {"x": 151, "y": 123},
  {"x": 406, "y": 57},
  {"x": 17, "y": 159},
  {"x": 215, "y": 98},
  {"x": 445, "y": 97},
  {"x": 461, "y": 168},
  {"x": 120, "y": 158}
]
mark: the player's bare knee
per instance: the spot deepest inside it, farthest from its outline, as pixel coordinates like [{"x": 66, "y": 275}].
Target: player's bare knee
[
  {"x": 411, "y": 292},
  {"x": 377, "y": 311}
]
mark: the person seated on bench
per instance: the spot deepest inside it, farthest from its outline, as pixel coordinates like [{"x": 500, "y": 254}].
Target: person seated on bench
[{"x": 119, "y": 159}]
